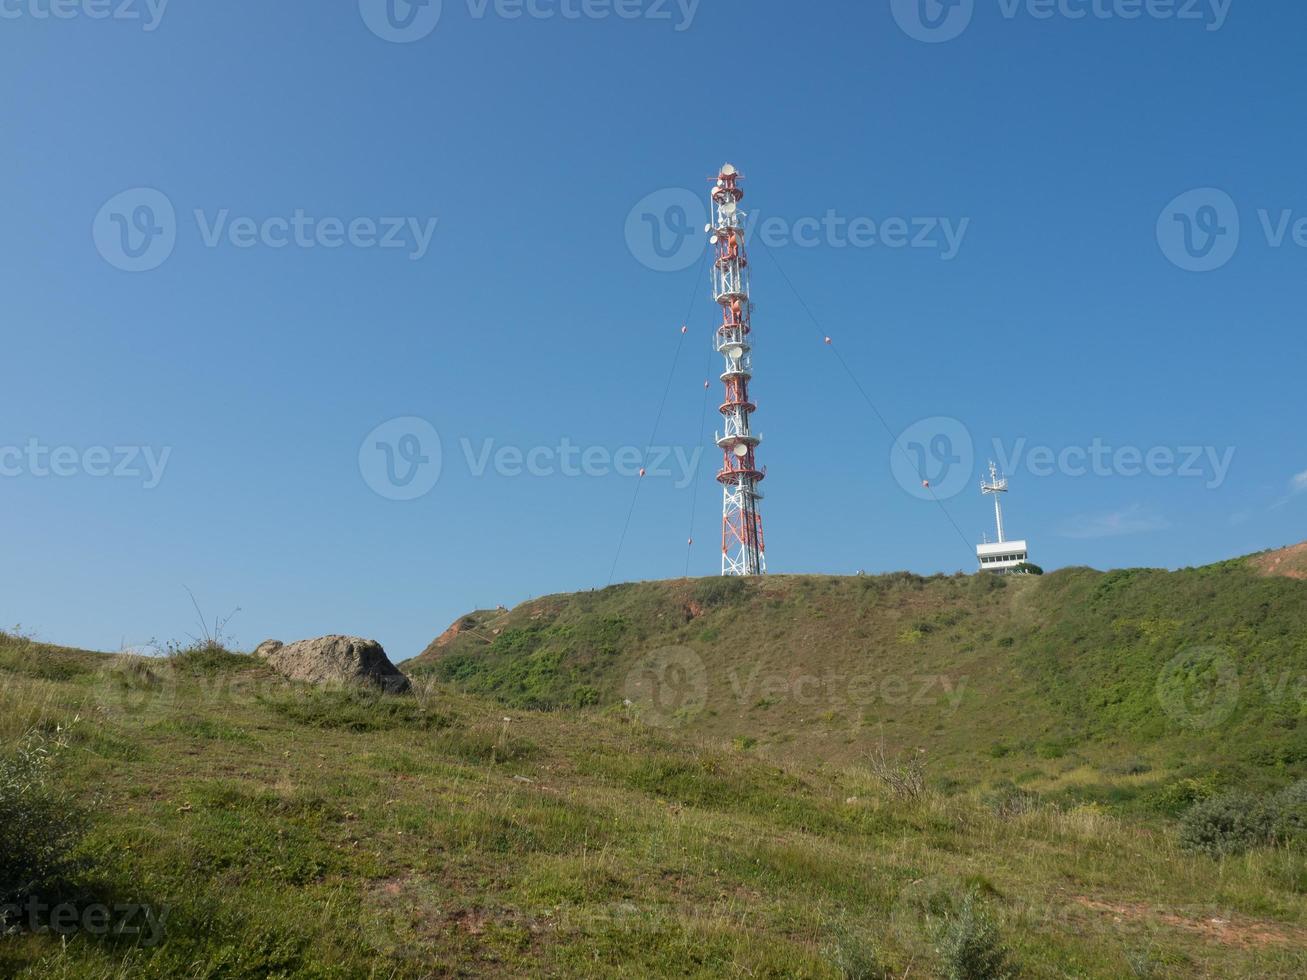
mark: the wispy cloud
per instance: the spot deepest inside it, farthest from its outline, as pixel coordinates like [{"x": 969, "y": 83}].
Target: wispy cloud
[
  {"x": 1297, "y": 485},
  {"x": 1114, "y": 524}
]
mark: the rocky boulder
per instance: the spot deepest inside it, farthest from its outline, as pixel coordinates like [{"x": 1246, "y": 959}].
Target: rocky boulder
[
  {"x": 334, "y": 660},
  {"x": 267, "y": 648}
]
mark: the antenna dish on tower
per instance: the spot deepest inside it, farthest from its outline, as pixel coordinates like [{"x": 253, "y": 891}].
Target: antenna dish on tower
[
  {"x": 728, "y": 170},
  {"x": 729, "y": 208}
]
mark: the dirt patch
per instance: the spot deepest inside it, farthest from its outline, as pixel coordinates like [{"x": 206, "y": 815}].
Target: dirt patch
[
  {"x": 1236, "y": 931},
  {"x": 1288, "y": 562}
]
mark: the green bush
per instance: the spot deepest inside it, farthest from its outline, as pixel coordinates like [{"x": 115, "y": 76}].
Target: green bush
[
  {"x": 42, "y": 826},
  {"x": 1226, "y": 824},
  {"x": 207, "y": 659},
  {"x": 1175, "y": 798},
  {"x": 854, "y": 955},
  {"x": 1289, "y": 813},
  {"x": 969, "y": 943},
  {"x": 1234, "y": 822},
  {"x": 719, "y": 591}
]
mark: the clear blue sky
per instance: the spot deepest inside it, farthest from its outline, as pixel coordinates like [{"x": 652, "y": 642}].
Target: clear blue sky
[{"x": 1060, "y": 321}]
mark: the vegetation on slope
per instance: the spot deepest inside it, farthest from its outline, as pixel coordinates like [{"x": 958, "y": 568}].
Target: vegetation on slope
[
  {"x": 275, "y": 830},
  {"x": 1141, "y": 688}
]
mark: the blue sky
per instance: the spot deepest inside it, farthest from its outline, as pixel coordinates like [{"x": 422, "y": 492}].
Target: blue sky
[{"x": 1091, "y": 299}]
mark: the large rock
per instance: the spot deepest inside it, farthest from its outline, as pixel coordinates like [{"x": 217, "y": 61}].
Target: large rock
[
  {"x": 267, "y": 648},
  {"x": 334, "y": 659}
]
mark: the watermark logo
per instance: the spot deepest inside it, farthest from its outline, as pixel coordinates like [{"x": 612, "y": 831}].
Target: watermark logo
[
  {"x": 1199, "y": 688},
  {"x": 668, "y": 687},
  {"x": 136, "y": 231},
  {"x": 401, "y": 21},
  {"x": 664, "y": 231},
  {"x": 406, "y": 21},
  {"x": 135, "y": 681},
  {"x": 668, "y": 231},
  {"x": 1199, "y": 230},
  {"x": 914, "y": 916},
  {"x": 933, "y": 21},
  {"x": 933, "y": 459},
  {"x": 37, "y": 460},
  {"x": 401, "y": 459},
  {"x": 149, "y": 13},
  {"x": 145, "y": 924}
]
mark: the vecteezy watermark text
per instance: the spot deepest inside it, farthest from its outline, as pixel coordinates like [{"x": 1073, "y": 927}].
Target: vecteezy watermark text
[
  {"x": 406, "y": 21},
  {"x": 665, "y": 231},
  {"x": 402, "y": 459},
  {"x": 936, "y": 21},
  {"x": 137, "y": 231},
  {"x": 1208, "y": 463},
  {"x": 570, "y": 460},
  {"x": 148, "y": 12},
  {"x": 36, "y": 459},
  {"x": 127, "y": 919},
  {"x": 671, "y": 685},
  {"x": 1201, "y": 230},
  {"x": 934, "y": 459}
]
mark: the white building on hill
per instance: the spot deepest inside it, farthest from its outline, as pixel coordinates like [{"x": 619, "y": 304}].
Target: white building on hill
[{"x": 1001, "y": 556}]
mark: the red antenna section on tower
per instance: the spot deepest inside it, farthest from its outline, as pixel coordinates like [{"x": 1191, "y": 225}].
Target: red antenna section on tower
[{"x": 742, "y": 542}]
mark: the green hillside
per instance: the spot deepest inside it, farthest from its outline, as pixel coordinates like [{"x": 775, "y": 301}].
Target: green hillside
[
  {"x": 1081, "y": 775},
  {"x": 1093, "y": 685}
]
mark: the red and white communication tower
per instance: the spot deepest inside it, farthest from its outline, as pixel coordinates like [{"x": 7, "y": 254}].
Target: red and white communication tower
[{"x": 742, "y": 544}]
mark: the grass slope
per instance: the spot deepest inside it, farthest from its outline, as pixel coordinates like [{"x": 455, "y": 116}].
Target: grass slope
[
  {"x": 1114, "y": 687},
  {"x": 290, "y": 832}
]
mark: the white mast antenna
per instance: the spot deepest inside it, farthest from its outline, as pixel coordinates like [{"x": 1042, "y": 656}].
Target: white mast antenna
[{"x": 996, "y": 485}]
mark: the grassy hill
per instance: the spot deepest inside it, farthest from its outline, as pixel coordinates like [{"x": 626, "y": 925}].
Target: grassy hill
[
  {"x": 719, "y": 824},
  {"x": 1085, "y": 685}
]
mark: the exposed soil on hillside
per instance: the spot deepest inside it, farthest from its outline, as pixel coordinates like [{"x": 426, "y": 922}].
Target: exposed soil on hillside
[{"x": 1289, "y": 562}]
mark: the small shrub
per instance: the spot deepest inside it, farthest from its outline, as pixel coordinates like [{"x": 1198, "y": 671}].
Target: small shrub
[
  {"x": 1051, "y": 749},
  {"x": 1288, "y": 810},
  {"x": 1177, "y": 797},
  {"x": 1227, "y": 824},
  {"x": 854, "y": 955},
  {"x": 719, "y": 591},
  {"x": 585, "y": 696},
  {"x": 42, "y": 826},
  {"x": 904, "y": 778},
  {"x": 1234, "y": 822},
  {"x": 1012, "y": 802},
  {"x": 969, "y": 945},
  {"x": 206, "y": 659}
]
